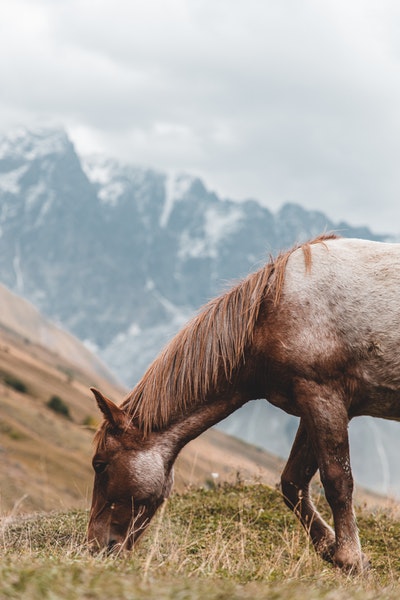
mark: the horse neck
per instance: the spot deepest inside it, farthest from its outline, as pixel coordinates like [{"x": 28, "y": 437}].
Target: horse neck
[{"x": 192, "y": 424}]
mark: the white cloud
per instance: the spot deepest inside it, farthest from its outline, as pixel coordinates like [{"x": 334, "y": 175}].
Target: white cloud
[{"x": 282, "y": 100}]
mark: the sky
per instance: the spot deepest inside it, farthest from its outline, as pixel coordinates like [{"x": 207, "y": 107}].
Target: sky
[{"x": 278, "y": 100}]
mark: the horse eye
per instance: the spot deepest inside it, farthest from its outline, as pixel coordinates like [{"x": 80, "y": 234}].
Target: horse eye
[{"x": 99, "y": 467}]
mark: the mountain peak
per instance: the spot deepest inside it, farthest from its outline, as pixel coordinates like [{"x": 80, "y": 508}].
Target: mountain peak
[
  {"x": 31, "y": 144},
  {"x": 113, "y": 178}
]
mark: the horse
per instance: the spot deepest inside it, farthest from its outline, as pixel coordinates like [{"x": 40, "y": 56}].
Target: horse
[{"x": 316, "y": 332}]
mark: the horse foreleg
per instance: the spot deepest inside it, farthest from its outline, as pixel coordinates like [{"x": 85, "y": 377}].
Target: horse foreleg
[
  {"x": 299, "y": 470},
  {"x": 326, "y": 420}
]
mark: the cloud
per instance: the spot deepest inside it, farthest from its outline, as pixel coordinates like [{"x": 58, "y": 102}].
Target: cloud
[{"x": 284, "y": 101}]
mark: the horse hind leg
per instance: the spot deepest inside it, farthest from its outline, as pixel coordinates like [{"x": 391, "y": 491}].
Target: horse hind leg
[{"x": 295, "y": 483}]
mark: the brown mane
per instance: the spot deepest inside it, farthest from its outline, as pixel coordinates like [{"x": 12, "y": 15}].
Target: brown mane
[{"x": 210, "y": 346}]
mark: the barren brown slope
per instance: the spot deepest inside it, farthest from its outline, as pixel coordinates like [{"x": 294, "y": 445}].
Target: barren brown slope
[
  {"x": 20, "y": 317},
  {"x": 45, "y": 457}
]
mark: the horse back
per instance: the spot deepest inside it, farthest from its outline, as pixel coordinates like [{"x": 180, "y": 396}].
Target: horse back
[{"x": 338, "y": 320}]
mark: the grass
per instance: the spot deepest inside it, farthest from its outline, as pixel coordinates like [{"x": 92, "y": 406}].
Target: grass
[{"x": 226, "y": 543}]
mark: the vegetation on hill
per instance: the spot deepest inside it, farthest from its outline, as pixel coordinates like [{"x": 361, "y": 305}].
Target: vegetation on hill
[
  {"x": 58, "y": 405},
  {"x": 230, "y": 542}
]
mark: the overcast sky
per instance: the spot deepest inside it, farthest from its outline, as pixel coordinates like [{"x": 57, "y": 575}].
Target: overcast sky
[{"x": 280, "y": 100}]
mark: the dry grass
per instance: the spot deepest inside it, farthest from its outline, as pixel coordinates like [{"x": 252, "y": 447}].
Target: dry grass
[{"x": 231, "y": 542}]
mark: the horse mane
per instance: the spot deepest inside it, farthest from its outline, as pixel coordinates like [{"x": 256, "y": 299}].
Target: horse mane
[{"x": 212, "y": 345}]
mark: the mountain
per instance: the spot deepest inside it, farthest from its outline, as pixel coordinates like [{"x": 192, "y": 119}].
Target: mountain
[{"x": 122, "y": 255}]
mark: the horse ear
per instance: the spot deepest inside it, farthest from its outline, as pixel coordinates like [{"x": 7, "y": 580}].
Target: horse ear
[{"x": 112, "y": 413}]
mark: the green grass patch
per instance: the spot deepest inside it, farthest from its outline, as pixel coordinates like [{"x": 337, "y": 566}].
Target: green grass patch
[
  {"x": 57, "y": 405},
  {"x": 230, "y": 542},
  {"x": 15, "y": 383}
]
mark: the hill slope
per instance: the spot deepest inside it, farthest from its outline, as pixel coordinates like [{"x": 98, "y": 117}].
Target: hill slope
[
  {"x": 228, "y": 543},
  {"x": 45, "y": 456},
  {"x": 23, "y": 319}
]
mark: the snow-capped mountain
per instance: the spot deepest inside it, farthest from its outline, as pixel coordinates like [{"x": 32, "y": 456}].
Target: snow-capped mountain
[{"x": 121, "y": 256}]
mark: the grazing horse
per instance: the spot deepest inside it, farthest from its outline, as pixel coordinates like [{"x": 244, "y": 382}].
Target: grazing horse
[{"x": 316, "y": 332}]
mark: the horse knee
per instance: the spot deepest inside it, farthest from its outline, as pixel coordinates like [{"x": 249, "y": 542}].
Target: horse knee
[{"x": 338, "y": 485}]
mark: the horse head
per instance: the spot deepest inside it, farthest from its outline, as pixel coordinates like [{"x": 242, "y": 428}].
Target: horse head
[{"x": 133, "y": 476}]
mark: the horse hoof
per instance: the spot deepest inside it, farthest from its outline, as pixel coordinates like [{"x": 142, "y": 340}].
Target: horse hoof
[{"x": 351, "y": 567}]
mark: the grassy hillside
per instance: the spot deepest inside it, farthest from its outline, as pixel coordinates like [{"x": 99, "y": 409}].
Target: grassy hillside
[
  {"x": 45, "y": 455},
  {"x": 230, "y": 542}
]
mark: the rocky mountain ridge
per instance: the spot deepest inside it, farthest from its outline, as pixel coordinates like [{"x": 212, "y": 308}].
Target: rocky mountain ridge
[
  {"x": 122, "y": 255},
  {"x": 113, "y": 251}
]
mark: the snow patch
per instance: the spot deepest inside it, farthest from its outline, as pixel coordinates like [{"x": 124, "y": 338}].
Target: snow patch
[
  {"x": 176, "y": 188},
  {"x": 190, "y": 247},
  {"x": 218, "y": 224},
  {"x": 40, "y": 194},
  {"x": 106, "y": 174},
  {"x": 9, "y": 182},
  {"x": 97, "y": 170},
  {"x": 111, "y": 193},
  {"x": 34, "y": 193}
]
